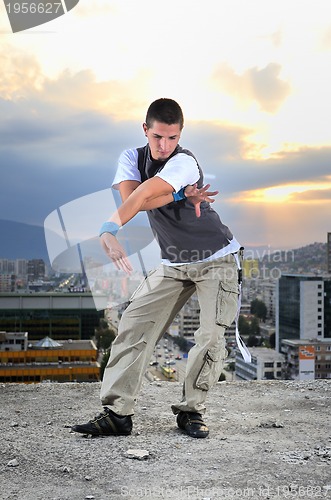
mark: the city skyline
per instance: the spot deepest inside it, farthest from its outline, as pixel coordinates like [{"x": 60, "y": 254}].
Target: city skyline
[{"x": 253, "y": 80}]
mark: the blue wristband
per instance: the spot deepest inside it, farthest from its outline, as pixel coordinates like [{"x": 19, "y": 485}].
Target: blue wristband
[
  {"x": 109, "y": 227},
  {"x": 180, "y": 195}
]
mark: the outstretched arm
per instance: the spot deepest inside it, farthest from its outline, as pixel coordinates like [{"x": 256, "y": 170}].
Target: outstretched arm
[
  {"x": 192, "y": 193},
  {"x": 135, "y": 197},
  {"x": 151, "y": 194}
]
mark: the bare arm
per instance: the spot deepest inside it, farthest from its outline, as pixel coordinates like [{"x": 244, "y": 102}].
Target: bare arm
[
  {"x": 193, "y": 194},
  {"x": 126, "y": 188},
  {"x": 153, "y": 193},
  {"x": 137, "y": 196}
]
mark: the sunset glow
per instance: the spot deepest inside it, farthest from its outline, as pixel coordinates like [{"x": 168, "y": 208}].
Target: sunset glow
[{"x": 253, "y": 80}]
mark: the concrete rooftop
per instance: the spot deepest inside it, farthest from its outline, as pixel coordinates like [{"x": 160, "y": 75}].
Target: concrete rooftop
[{"x": 267, "y": 440}]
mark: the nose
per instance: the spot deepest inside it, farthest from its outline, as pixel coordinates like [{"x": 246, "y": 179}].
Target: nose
[{"x": 163, "y": 144}]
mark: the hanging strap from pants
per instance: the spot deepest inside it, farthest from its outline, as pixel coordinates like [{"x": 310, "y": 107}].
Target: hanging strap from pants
[{"x": 240, "y": 343}]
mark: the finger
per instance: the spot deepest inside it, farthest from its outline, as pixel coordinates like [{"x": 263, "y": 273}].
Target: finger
[
  {"x": 204, "y": 188},
  {"x": 123, "y": 264},
  {"x": 197, "y": 209},
  {"x": 127, "y": 265}
]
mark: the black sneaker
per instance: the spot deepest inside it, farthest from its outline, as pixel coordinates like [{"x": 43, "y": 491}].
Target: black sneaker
[
  {"x": 106, "y": 424},
  {"x": 192, "y": 423}
]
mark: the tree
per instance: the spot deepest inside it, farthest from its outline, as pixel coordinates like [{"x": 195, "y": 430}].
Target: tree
[
  {"x": 255, "y": 327},
  {"x": 230, "y": 367},
  {"x": 259, "y": 309},
  {"x": 104, "y": 335},
  {"x": 104, "y": 362},
  {"x": 243, "y": 325},
  {"x": 252, "y": 341},
  {"x": 182, "y": 343}
]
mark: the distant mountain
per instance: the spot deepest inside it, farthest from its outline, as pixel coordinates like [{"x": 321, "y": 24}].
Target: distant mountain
[
  {"x": 308, "y": 259},
  {"x": 22, "y": 241},
  {"x": 25, "y": 241}
]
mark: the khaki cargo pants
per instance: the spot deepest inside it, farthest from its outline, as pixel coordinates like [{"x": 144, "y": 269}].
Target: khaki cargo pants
[{"x": 150, "y": 312}]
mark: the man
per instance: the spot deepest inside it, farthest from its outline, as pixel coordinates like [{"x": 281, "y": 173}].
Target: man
[{"x": 197, "y": 252}]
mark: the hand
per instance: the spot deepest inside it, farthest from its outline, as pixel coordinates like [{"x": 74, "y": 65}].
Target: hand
[
  {"x": 115, "y": 252},
  {"x": 196, "y": 196}
]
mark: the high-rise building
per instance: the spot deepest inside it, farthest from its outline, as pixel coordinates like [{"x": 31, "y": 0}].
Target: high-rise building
[
  {"x": 188, "y": 318},
  {"x": 267, "y": 295},
  {"x": 328, "y": 249},
  {"x": 7, "y": 282},
  {"x": 57, "y": 315},
  {"x": 303, "y": 309},
  {"x": 21, "y": 267},
  {"x": 36, "y": 269},
  {"x": 7, "y": 266}
]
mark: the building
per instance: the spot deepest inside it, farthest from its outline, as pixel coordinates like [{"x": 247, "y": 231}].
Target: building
[
  {"x": 303, "y": 308},
  {"x": 7, "y": 266},
  {"x": 188, "y": 319},
  {"x": 13, "y": 341},
  {"x": 266, "y": 364},
  {"x": 57, "y": 315},
  {"x": 7, "y": 282},
  {"x": 328, "y": 249},
  {"x": 306, "y": 359},
  {"x": 47, "y": 360},
  {"x": 20, "y": 272},
  {"x": 268, "y": 296},
  {"x": 251, "y": 269},
  {"x": 21, "y": 268},
  {"x": 36, "y": 269},
  {"x": 267, "y": 332}
]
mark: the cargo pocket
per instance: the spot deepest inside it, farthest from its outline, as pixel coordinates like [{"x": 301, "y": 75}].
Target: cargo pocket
[
  {"x": 227, "y": 303},
  {"x": 210, "y": 371}
]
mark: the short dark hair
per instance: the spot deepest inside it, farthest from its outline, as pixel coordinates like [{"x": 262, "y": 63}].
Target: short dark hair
[{"x": 165, "y": 111}]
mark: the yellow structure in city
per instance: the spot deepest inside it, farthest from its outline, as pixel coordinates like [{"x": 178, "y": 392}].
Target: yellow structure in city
[{"x": 65, "y": 361}]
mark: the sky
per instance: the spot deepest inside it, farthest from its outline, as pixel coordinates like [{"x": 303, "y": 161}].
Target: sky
[{"x": 252, "y": 77}]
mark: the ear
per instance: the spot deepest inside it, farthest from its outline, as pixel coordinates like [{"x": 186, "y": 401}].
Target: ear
[{"x": 145, "y": 128}]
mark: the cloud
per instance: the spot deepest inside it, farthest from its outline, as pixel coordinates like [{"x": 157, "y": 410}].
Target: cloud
[
  {"x": 325, "y": 39},
  {"x": 62, "y": 137},
  {"x": 19, "y": 73},
  {"x": 313, "y": 195},
  {"x": 261, "y": 85},
  {"x": 22, "y": 78}
]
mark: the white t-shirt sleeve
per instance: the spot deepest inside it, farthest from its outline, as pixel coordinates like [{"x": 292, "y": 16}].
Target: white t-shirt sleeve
[
  {"x": 127, "y": 169},
  {"x": 180, "y": 171}
]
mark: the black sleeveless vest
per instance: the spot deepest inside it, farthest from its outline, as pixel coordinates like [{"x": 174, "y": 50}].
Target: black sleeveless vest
[{"x": 182, "y": 236}]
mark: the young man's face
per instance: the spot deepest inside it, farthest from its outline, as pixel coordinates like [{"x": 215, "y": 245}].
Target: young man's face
[{"x": 162, "y": 139}]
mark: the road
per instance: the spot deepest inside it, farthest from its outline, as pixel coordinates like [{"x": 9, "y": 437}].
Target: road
[{"x": 166, "y": 350}]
